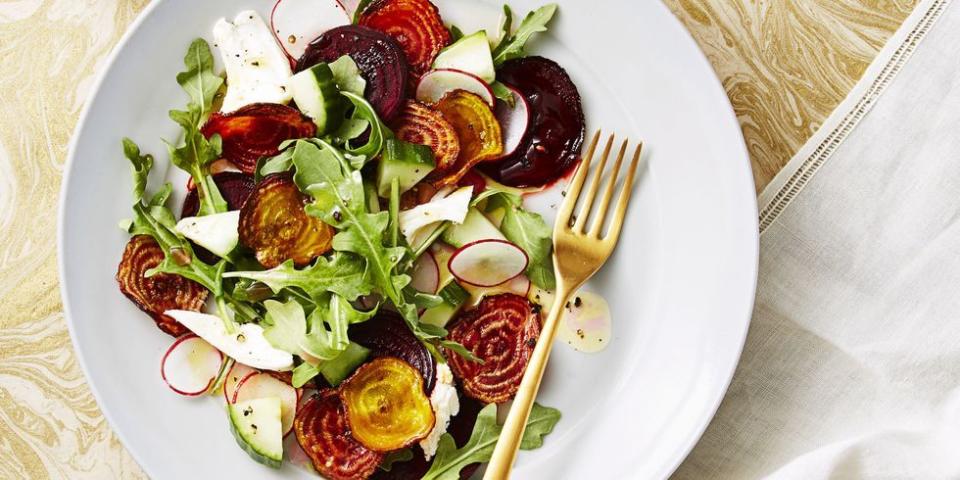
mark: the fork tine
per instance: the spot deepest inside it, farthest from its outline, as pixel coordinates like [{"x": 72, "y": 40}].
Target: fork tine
[
  {"x": 616, "y": 224},
  {"x": 608, "y": 193},
  {"x": 573, "y": 190},
  {"x": 582, "y": 217}
]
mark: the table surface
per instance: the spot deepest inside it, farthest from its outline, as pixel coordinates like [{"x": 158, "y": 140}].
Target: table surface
[{"x": 784, "y": 63}]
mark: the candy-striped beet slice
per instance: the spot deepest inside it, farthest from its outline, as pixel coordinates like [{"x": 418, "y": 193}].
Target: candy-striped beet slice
[
  {"x": 324, "y": 434},
  {"x": 502, "y": 331},
  {"x": 415, "y": 24},
  {"x": 422, "y": 125},
  {"x": 256, "y": 131},
  {"x": 158, "y": 293}
]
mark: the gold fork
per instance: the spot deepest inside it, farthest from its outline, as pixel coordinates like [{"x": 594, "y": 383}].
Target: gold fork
[{"x": 577, "y": 255}]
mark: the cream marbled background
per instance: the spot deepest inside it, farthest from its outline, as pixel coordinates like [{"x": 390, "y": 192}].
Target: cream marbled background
[{"x": 784, "y": 63}]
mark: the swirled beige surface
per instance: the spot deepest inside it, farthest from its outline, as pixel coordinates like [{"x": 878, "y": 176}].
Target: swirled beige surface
[{"x": 785, "y": 65}]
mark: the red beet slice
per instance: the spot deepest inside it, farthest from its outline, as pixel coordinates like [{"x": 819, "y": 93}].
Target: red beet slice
[
  {"x": 161, "y": 292},
  {"x": 415, "y": 24},
  {"x": 386, "y": 335},
  {"x": 502, "y": 331},
  {"x": 235, "y": 187},
  {"x": 552, "y": 143},
  {"x": 257, "y": 131},
  {"x": 380, "y": 58},
  {"x": 324, "y": 434}
]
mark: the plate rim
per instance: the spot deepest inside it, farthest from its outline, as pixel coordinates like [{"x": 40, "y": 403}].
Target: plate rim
[{"x": 743, "y": 171}]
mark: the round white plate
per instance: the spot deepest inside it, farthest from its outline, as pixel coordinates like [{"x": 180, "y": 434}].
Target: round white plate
[{"x": 681, "y": 284}]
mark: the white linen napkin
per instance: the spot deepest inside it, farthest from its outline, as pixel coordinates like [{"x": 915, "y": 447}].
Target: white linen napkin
[{"x": 852, "y": 365}]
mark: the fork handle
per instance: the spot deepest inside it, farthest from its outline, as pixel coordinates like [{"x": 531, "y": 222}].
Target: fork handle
[{"x": 506, "y": 449}]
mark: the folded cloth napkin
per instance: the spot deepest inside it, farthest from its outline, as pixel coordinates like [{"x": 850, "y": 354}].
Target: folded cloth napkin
[{"x": 852, "y": 365}]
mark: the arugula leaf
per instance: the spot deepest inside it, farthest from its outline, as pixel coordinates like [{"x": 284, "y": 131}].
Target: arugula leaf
[
  {"x": 198, "y": 80},
  {"x": 140, "y": 166},
  {"x": 455, "y": 34},
  {"x": 506, "y": 25},
  {"x": 503, "y": 93},
  {"x": 398, "y": 456},
  {"x": 327, "y": 336},
  {"x": 346, "y": 74},
  {"x": 378, "y": 131},
  {"x": 342, "y": 274},
  {"x": 360, "y": 9},
  {"x": 197, "y": 152},
  {"x": 530, "y": 232},
  {"x": 160, "y": 198},
  {"x": 449, "y": 460},
  {"x": 513, "y": 46},
  {"x": 285, "y": 325}
]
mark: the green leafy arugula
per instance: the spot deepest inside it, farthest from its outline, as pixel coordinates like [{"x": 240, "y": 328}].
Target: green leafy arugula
[
  {"x": 512, "y": 45},
  {"x": 346, "y": 74},
  {"x": 344, "y": 275},
  {"x": 197, "y": 152},
  {"x": 450, "y": 460}
]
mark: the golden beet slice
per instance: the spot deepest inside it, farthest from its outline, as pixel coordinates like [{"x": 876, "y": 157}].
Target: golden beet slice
[
  {"x": 477, "y": 130},
  {"x": 502, "y": 331},
  {"x": 323, "y": 433},
  {"x": 386, "y": 405},
  {"x": 420, "y": 124},
  {"x": 161, "y": 292},
  {"x": 275, "y": 226}
]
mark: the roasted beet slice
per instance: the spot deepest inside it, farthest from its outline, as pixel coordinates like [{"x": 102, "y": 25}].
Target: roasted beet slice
[
  {"x": 257, "y": 131},
  {"x": 415, "y": 24},
  {"x": 161, "y": 292},
  {"x": 477, "y": 130},
  {"x": 502, "y": 331},
  {"x": 324, "y": 434},
  {"x": 422, "y": 125},
  {"x": 235, "y": 187},
  {"x": 386, "y": 335},
  {"x": 386, "y": 407},
  {"x": 551, "y": 145},
  {"x": 275, "y": 226},
  {"x": 460, "y": 428},
  {"x": 380, "y": 58}
]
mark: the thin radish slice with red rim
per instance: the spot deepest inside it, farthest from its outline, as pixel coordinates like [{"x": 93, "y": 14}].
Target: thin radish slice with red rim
[
  {"x": 191, "y": 365},
  {"x": 296, "y": 23},
  {"x": 519, "y": 285},
  {"x": 435, "y": 84},
  {"x": 264, "y": 385},
  {"x": 426, "y": 274},
  {"x": 514, "y": 121},
  {"x": 488, "y": 263},
  {"x": 237, "y": 374}
]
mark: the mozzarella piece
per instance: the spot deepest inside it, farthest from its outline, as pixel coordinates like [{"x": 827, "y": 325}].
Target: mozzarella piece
[
  {"x": 440, "y": 208},
  {"x": 218, "y": 233},
  {"x": 445, "y": 405},
  {"x": 247, "y": 345},
  {"x": 257, "y": 68}
]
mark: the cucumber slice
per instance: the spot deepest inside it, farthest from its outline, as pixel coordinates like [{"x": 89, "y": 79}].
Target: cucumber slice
[
  {"x": 470, "y": 54},
  {"x": 338, "y": 369},
  {"x": 474, "y": 227},
  {"x": 317, "y": 95},
  {"x": 440, "y": 315},
  {"x": 256, "y": 426},
  {"x": 407, "y": 162},
  {"x": 453, "y": 294}
]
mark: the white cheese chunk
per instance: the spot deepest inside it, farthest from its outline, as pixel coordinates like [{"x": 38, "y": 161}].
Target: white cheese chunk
[
  {"x": 247, "y": 345},
  {"x": 445, "y": 405},
  {"x": 257, "y": 68},
  {"x": 440, "y": 208},
  {"x": 217, "y": 233}
]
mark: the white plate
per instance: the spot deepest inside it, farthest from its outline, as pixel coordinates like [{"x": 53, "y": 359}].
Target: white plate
[{"x": 681, "y": 284}]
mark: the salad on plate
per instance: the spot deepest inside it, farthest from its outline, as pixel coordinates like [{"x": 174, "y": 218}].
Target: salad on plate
[{"x": 353, "y": 269}]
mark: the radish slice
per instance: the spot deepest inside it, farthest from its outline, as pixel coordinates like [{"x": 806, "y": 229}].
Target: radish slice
[
  {"x": 264, "y": 385},
  {"x": 191, "y": 365},
  {"x": 237, "y": 374},
  {"x": 426, "y": 274},
  {"x": 437, "y": 83},
  {"x": 296, "y": 23},
  {"x": 520, "y": 285},
  {"x": 514, "y": 121},
  {"x": 488, "y": 263}
]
